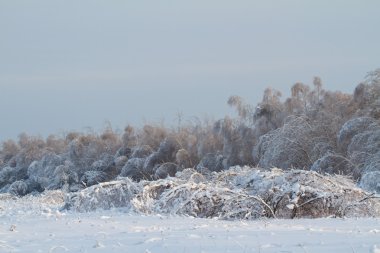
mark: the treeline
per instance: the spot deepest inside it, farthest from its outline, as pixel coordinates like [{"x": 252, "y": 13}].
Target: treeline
[{"x": 314, "y": 129}]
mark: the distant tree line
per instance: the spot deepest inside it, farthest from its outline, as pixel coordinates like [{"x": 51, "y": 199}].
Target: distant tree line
[{"x": 313, "y": 129}]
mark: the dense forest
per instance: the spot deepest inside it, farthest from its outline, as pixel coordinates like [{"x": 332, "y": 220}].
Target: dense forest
[{"x": 329, "y": 132}]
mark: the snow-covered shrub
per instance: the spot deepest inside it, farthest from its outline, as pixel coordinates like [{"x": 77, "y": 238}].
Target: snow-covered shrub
[
  {"x": 373, "y": 163},
  {"x": 165, "y": 170},
  {"x": 42, "y": 172},
  {"x": 151, "y": 162},
  {"x": 334, "y": 164},
  {"x": 367, "y": 142},
  {"x": 8, "y": 175},
  {"x": 18, "y": 188},
  {"x": 263, "y": 145},
  {"x": 191, "y": 175},
  {"x": 367, "y": 95},
  {"x": 129, "y": 137},
  {"x": 270, "y": 113},
  {"x": 85, "y": 149},
  {"x": 204, "y": 201},
  {"x": 285, "y": 194},
  {"x": 134, "y": 169},
  {"x": 352, "y": 128},
  {"x": 168, "y": 149},
  {"x": 151, "y": 135},
  {"x": 76, "y": 151},
  {"x": 107, "y": 166},
  {"x": 9, "y": 150},
  {"x": 237, "y": 193},
  {"x": 248, "y": 138},
  {"x": 93, "y": 177},
  {"x": 226, "y": 130},
  {"x": 63, "y": 176},
  {"x": 55, "y": 144},
  {"x": 338, "y": 104},
  {"x": 364, "y": 150},
  {"x": 103, "y": 196},
  {"x": 238, "y": 140},
  {"x": 320, "y": 149},
  {"x": 212, "y": 162},
  {"x": 141, "y": 151},
  {"x": 109, "y": 140},
  {"x": 369, "y": 171},
  {"x": 370, "y": 181},
  {"x": 288, "y": 147},
  {"x": 120, "y": 161},
  {"x": 207, "y": 141},
  {"x": 99, "y": 165},
  {"x": 182, "y": 158},
  {"x": 165, "y": 153},
  {"x": 32, "y": 148},
  {"x": 33, "y": 186},
  {"x": 123, "y": 151}
]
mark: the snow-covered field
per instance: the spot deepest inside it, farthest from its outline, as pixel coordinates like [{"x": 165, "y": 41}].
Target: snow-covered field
[
  {"x": 120, "y": 232},
  {"x": 36, "y": 225}
]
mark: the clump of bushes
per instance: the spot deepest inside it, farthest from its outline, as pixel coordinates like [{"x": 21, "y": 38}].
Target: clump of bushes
[
  {"x": 313, "y": 129},
  {"x": 236, "y": 193}
]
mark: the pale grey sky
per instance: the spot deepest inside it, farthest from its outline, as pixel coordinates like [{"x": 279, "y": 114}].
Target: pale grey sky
[{"x": 70, "y": 64}]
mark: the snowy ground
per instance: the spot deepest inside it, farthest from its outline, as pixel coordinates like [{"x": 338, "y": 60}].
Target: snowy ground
[
  {"x": 120, "y": 232},
  {"x": 36, "y": 225}
]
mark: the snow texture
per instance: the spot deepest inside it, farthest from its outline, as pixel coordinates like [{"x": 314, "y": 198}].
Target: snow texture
[{"x": 49, "y": 230}]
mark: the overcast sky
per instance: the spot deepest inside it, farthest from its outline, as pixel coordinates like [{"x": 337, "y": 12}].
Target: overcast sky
[{"x": 71, "y": 64}]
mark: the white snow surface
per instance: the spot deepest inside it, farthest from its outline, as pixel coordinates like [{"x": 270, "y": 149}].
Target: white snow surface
[
  {"x": 38, "y": 224},
  {"x": 115, "y": 231}
]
